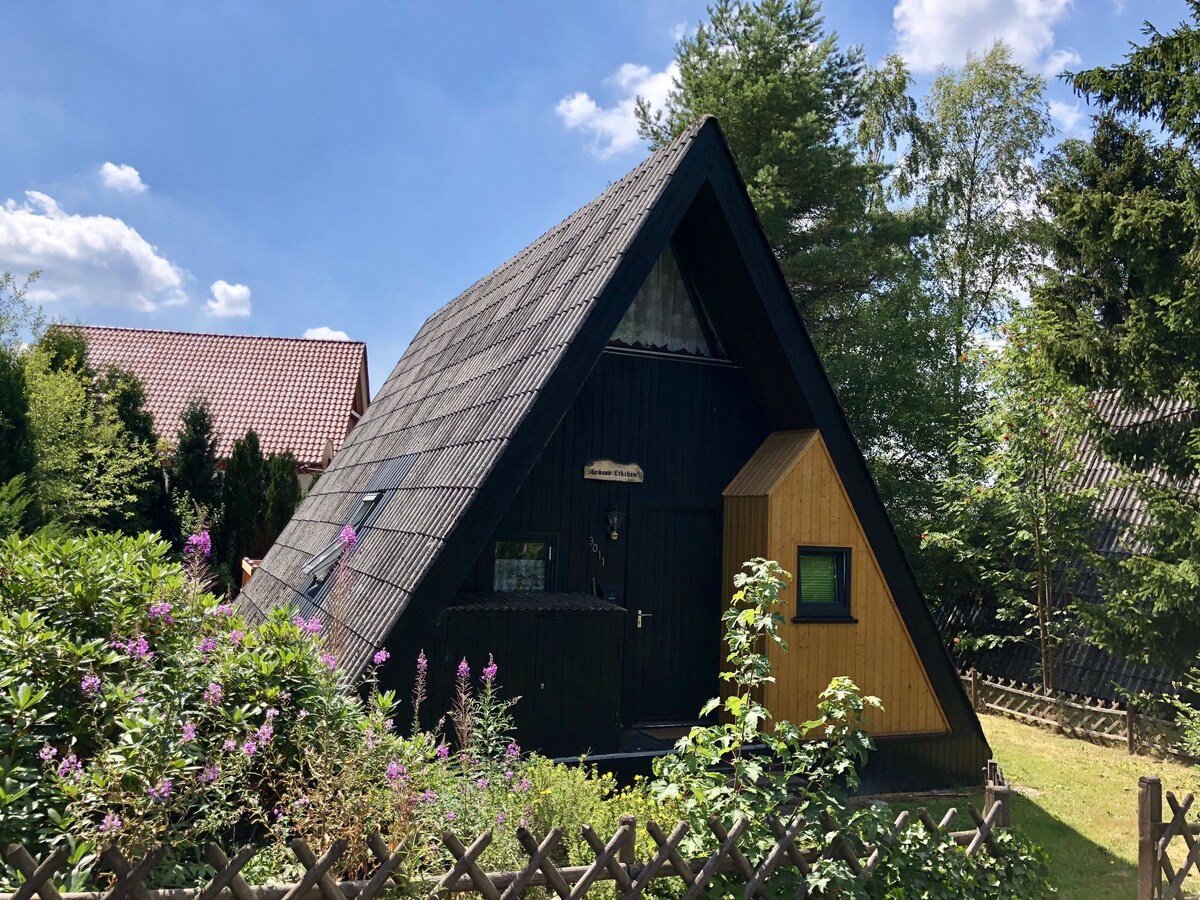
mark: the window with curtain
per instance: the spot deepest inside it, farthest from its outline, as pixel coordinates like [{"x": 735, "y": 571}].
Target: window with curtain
[
  {"x": 822, "y": 583},
  {"x": 523, "y": 565},
  {"x": 663, "y": 315}
]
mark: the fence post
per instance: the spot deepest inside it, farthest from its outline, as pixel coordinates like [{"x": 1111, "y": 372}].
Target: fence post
[
  {"x": 1149, "y": 822},
  {"x": 1131, "y": 729},
  {"x": 996, "y": 790},
  {"x": 975, "y": 689},
  {"x": 626, "y": 855}
]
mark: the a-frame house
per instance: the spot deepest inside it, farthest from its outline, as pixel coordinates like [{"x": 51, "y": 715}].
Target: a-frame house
[{"x": 573, "y": 457}]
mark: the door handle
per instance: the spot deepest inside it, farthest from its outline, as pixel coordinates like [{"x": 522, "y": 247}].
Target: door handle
[{"x": 642, "y": 615}]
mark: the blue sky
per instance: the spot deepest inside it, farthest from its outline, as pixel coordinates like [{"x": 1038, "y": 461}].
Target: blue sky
[{"x": 270, "y": 168}]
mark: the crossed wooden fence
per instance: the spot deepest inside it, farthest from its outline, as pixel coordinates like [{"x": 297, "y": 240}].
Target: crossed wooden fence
[
  {"x": 1160, "y": 877},
  {"x": 1076, "y": 715},
  {"x": 613, "y": 860}
]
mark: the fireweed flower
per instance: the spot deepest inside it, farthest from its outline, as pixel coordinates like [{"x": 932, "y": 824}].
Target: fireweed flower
[
  {"x": 312, "y": 626},
  {"x": 489, "y": 671},
  {"x": 47, "y": 753},
  {"x": 513, "y": 750},
  {"x": 395, "y": 771},
  {"x": 443, "y": 751},
  {"x": 188, "y": 733},
  {"x": 236, "y": 637},
  {"x": 429, "y": 796},
  {"x": 229, "y": 745},
  {"x": 161, "y": 610},
  {"x": 464, "y": 671},
  {"x": 265, "y": 732},
  {"x": 501, "y": 818},
  {"x": 111, "y": 824},
  {"x": 210, "y": 773},
  {"x": 508, "y": 774},
  {"x": 482, "y": 783},
  {"x": 330, "y": 660},
  {"x": 70, "y": 767},
  {"x": 272, "y": 713},
  {"x": 207, "y": 645},
  {"x": 389, "y": 724},
  {"x": 139, "y": 648},
  {"x": 381, "y": 657},
  {"x": 422, "y": 663},
  {"x": 162, "y": 791},
  {"x": 524, "y": 785},
  {"x": 451, "y": 816},
  {"x": 201, "y": 543},
  {"x": 224, "y": 609},
  {"x": 213, "y": 693},
  {"x": 90, "y": 684},
  {"x": 348, "y": 538},
  {"x": 250, "y": 748}
]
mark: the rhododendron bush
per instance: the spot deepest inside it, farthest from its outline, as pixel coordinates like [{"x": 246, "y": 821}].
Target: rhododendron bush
[{"x": 138, "y": 709}]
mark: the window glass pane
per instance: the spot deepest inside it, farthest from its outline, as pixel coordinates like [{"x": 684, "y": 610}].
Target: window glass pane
[
  {"x": 522, "y": 566},
  {"x": 818, "y": 578},
  {"x": 662, "y": 316}
]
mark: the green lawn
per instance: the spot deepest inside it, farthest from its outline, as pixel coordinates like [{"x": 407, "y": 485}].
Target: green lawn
[{"x": 1079, "y": 801}]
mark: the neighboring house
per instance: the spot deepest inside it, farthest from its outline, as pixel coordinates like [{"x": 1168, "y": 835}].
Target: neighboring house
[
  {"x": 299, "y": 395},
  {"x": 574, "y": 456},
  {"x": 1084, "y": 668}
]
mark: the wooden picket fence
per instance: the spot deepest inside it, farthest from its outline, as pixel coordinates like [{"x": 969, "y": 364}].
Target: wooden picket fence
[
  {"x": 613, "y": 860},
  {"x": 1168, "y": 849},
  {"x": 1075, "y": 715}
]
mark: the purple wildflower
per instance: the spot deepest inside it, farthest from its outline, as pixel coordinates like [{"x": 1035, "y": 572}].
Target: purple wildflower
[
  {"x": 210, "y": 773},
  {"x": 490, "y": 670},
  {"x": 395, "y": 771},
  {"x": 443, "y": 751},
  {"x": 389, "y": 724},
  {"x": 250, "y": 748},
  {"x": 208, "y": 645},
  {"x": 312, "y": 626},
  {"x": 70, "y": 767},
  {"x": 501, "y": 818},
  {"x": 90, "y": 684},
  {"x": 482, "y": 783},
  {"x": 229, "y": 745},
  {"x": 236, "y": 637},
  {"x": 201, "y": 543},
  {"x": 162, "y": 791},
  {"x": 422, "y": 663},
  {"x": 513, "y": 750},
  {"x": 47, "y": 753},
  {"x": 349, "y": 538},
  {"x": 451, "y": 816},
  {"x": 330, "y": 660},
  {"x": 464, "y": 671},
  {"x": 272, "y": 713},
  {"x": 429, "y": 796},
  {"x": 189, "y": 732},
  {"x": 139, "y": 648},
  {"x": 225, "y": 609},
  {"x": 524, "y": 785},
  {"x": 213, "y": 693},
  {"x": 508, "y": 774},
  {"x": 161, "y": 610},
  {"x": 265, "y": 732},
  {"x": 111, "y": 824},
  {"x": 381, "y": 657}
]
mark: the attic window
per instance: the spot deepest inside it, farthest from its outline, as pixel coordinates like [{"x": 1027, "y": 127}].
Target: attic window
[
  {"x": 320, "y": 565},
  {"x": 823, "y": 584},
  {"x": 664, "y": 316}
]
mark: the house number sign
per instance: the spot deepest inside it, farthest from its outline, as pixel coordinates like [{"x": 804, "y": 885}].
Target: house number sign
[{"x": 607, "y": 470}]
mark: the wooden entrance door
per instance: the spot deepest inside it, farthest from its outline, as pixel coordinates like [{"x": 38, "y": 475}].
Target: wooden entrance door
[{"x": 673, "y": 591}]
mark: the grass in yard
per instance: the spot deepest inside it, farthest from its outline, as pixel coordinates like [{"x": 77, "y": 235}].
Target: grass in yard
[{"x": 1079, "y": 801}]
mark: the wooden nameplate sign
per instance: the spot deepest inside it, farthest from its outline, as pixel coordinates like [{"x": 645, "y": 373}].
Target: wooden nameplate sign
[{"x": 607, "y": 470}]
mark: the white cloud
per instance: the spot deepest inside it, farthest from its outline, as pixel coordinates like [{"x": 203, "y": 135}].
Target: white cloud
[
  {"x": 88, "y": 259},
  {"x": 679, "y": 31},
  {"x": 325, "y": 333},
  {"x": 1060, "y": 61},
  {"x": 1068, "y": 117},
  {"x": 122, "y": 178},
  {"x": 614, "y": 128},
  {"x": 228, "y": 299},
  {"x": 933, "y": 33}
]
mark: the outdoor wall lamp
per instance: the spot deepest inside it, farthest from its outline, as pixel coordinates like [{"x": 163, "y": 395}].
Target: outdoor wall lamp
[{"x": 616, "y": 518}]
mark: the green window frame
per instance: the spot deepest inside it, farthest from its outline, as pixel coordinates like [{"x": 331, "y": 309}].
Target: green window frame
[{"x": 823, "y": 584}]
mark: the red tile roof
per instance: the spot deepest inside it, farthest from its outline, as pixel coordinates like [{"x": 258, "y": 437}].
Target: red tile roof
[{"x": 295, "y": 393}]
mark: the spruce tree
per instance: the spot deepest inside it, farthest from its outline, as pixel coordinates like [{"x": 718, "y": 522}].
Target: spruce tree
[
  {"x": 195, "y": 477},
  {"x": 244, "y": 502},
  {"x": 283, "y": 495}
]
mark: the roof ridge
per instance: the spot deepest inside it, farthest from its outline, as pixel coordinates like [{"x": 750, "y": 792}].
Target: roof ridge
[{"x": 207, "y": 334}]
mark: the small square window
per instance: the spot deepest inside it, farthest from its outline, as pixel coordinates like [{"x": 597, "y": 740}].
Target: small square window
[
  {"x": 523, "y": 565},
  {"x": 822, "y": 584}
]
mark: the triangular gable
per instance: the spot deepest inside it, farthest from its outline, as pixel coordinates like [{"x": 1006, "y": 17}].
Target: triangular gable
[
  {"x": 664, "y": 316},
  {"x": 484, "y": 384}
]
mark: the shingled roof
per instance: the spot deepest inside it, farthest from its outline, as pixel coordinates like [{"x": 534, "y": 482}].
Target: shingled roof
[
  {"x": 452, "y": 405},
  {"x": 297, "y": 394}
]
